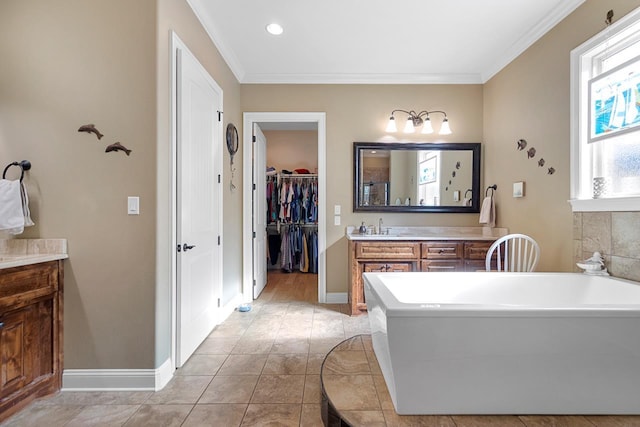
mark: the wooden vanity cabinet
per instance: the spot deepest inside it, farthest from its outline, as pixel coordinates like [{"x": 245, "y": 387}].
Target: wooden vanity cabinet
[
  {"x": 30, "y": 334},
  {"x": 377, "y": 256},
  {"x": 429, "y": 256}
]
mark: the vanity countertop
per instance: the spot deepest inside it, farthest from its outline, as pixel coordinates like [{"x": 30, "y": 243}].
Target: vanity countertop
[
  {"x": 430, "y": 233},
  {"x": 18, "y": 252}
]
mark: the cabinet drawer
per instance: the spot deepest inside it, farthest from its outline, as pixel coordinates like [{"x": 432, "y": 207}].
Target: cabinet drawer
[
  {"x": 374, "y": 267},
  {"x": 441, "y": 265},
  {"x": 476, "y": 250},
  {"x": 385, "y": 267},
  {"x": 399, "y": 266},
  {"x": 387, "y": 250},
  {"x": 442, "y": 250},
  {"x": 21, "y": 284}
]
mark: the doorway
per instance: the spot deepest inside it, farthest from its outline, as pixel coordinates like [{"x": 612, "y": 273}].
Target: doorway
[{"x": 273, "y": 121}]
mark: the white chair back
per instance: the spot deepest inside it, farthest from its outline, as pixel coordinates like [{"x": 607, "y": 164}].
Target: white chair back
[{"x": 514, "y": 252}]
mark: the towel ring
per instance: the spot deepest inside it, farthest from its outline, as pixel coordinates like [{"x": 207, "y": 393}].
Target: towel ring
[
  {"x": 469, "y": 190},
  {"x": 24, "y": 165},
  {"x": 493, "y": 187}
]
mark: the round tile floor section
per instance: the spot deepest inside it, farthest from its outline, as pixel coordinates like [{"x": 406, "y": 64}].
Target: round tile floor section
[{"x": 353, "y": 389}]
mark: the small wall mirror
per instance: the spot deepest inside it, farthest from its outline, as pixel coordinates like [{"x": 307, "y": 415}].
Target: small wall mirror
[{"x": 416, "y": 177}]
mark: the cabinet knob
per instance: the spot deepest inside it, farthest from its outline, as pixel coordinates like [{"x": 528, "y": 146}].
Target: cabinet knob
[{"x": 1, "y": 325}]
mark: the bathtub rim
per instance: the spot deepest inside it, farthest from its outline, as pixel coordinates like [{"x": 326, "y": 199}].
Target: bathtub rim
[{"x": 392, "y": 307}]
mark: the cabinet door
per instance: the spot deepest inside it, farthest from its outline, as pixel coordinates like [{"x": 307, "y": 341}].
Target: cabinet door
[
  {"x": 442, "y": 265},
  {"x": 477, "y": 265},
  {"x": 16, "y": 350}
]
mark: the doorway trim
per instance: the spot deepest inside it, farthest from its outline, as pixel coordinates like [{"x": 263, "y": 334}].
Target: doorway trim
[{"x": 247, "y": 212}]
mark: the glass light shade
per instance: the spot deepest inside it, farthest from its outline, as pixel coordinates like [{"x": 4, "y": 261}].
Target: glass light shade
[
  {"x": 445, "y": 129},
  {"x": 391, "y": 126},
  {"x": 408, "y": 128},
  {"x": 426, "y": 126}
]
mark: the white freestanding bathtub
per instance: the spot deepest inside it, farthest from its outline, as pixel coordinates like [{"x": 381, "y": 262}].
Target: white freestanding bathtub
[{"x": 506, "y": 343}]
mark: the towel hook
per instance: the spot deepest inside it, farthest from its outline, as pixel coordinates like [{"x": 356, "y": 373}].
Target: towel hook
[
  {"x": 493, "y": 187},
  {"x": 24, "y": 165}
]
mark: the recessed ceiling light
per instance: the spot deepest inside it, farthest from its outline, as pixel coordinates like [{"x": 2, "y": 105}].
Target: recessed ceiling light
[{"x": 275, "y": 29}]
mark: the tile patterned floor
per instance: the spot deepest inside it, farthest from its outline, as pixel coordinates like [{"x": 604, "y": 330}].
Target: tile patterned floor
[{"x": 260, "y": 368}]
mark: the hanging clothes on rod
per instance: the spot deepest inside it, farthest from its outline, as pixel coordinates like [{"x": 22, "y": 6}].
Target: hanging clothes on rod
[
  {"x": 292, "y": 220},
  {"x": 292, "y": 199}
]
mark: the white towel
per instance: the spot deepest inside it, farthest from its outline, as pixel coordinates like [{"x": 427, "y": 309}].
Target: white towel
[
  {"x": 14, "y": 207},
  {"x": 25, "y": 206},
  {"x": 466, "y": 202},
  {"x": 488, "y": 212}
]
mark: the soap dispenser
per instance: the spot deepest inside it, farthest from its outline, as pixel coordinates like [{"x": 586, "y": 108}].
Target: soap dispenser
[{"x": 363, "y": 228}]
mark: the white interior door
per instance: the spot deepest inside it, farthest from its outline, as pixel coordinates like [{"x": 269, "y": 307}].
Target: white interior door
[
  {"x": 199, "y": 205},
  {"x": 259, "y": 211}
]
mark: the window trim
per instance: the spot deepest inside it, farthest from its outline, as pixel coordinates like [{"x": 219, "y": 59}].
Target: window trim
[{"x": 580, "y": 177}]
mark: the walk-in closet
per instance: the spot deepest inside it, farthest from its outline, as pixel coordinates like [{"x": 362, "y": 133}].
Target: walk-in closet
[{"x": 291, "y": 202}]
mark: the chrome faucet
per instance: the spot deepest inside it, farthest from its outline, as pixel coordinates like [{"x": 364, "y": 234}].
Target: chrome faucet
[{"x": 380, "y": 226}]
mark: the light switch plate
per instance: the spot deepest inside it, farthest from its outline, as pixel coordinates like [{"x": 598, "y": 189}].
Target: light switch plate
[
  {"x": 336, "y": 220},
  {"x": 133, "y": 205},
  {"x": 336, "y": 209}
]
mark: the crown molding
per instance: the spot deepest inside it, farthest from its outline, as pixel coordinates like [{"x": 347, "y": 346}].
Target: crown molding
[
  {"x": 226, "y": 52},
  {"x": 347, "y": 78},
  {"x": 560, "y": 12}
]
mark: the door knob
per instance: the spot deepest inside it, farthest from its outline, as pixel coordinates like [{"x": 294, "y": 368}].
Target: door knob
[{"x": 186, "y": 247}]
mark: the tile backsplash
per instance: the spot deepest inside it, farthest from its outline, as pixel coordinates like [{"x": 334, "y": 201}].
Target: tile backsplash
[{"x": 616, "y": 235}]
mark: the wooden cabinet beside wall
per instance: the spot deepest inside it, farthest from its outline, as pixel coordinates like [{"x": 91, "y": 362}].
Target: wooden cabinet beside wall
[
  {"x": 30, "y": 333},
  {"x": 405, "y": 255}
]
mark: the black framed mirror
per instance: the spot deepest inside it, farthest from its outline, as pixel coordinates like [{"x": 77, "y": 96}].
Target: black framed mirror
[{"x": 416, "y": 177}]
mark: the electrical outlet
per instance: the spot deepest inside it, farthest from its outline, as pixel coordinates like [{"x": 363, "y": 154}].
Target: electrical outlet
[{"x": 336, "y": 220}]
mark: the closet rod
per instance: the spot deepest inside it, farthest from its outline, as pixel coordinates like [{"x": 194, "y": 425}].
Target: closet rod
[{"x": 303, "y": 176}]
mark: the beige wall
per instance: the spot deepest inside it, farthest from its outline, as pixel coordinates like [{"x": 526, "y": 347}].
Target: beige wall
[
  {"x": 529, "y": 99},
  {"x": 65, "y": 64},
  {"x": 360, "y": 113},
  {"x": 73, "y": 62},
  {"x": 292, "y": 149}
]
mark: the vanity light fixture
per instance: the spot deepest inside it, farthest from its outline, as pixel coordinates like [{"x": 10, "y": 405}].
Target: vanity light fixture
[
  {"x": 274, "y": 29},
  {"x": 419, "y": 119}
]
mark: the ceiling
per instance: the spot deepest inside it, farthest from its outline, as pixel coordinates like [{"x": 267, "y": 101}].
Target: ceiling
[{"x": 375, "y": 41}]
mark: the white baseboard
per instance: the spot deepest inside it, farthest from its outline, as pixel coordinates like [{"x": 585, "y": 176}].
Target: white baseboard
[
  {"x": 164, "y": 374},
  {"x": 337, "y": 298},
  {"x": 108, "y": 379},
  {"x": 117, "y": 379},
  {"x": 230, "y": 307}
]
